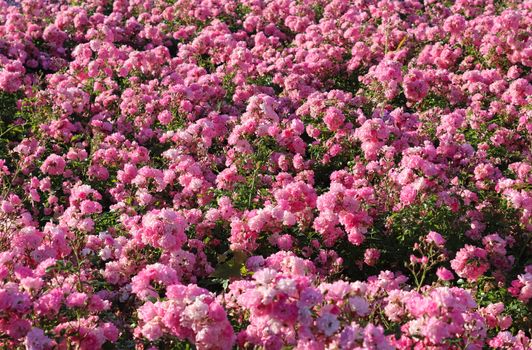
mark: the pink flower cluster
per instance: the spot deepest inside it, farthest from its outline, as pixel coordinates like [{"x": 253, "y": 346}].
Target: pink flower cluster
[
  {"x": 308, "y": 174},
  {"x": 188, "y": 312},
  {"x": 288, "y": 306}
]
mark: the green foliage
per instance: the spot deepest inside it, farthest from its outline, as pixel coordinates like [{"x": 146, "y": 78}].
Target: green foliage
[
  {"x": 126, "y": 342},
  {"x": 347, "y": 81},
  {"x": 61, "y": 266},
  {"x": 248, "y": 194},
  {"x": 266, "y": 81},
  {"x": 205, "y": 62},
  {"x": 229, "y": 87},
  {"x": 323, "y": 172},
  {"x": 234, "y": 21},
  {"x": 229, "y": 268},
  {"x": 395, "y": 232},
  {"x": 433, "y": 100},
  {"x": 318, "y": 12},
  {"x": 146, "y": 255},
  {"x": 488, "y": 292},
  {"x": 106, "y": 220},
  {"x": 10, "y": 130},
  {"x": 473, "y": 51}
]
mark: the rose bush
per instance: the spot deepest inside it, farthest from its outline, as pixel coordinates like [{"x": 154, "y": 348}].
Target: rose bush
[{"x": 219, "y": 174}]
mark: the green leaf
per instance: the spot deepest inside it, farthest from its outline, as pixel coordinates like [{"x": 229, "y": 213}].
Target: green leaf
[{"x": 232, "y": 267}]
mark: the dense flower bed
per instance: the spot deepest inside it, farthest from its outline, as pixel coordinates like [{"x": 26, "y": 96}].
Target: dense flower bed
[{"x": 277, "y": 174}]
